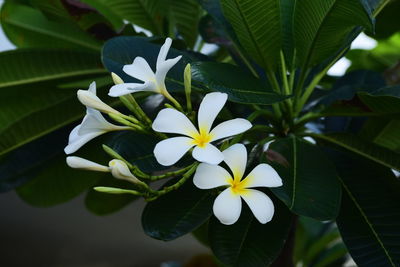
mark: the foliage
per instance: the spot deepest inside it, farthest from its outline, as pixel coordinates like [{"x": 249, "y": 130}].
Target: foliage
[{"x": 334, "y": 141}]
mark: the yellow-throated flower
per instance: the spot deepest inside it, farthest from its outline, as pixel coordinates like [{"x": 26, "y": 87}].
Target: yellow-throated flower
[
  {"x": 228, "y": 205},
  {"x": 169, "y": 151}
]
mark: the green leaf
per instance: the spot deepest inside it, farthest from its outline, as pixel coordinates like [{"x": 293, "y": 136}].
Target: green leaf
[
  {"x": 27, "y": 27},
  {"x": 107, "y": 12},
  {"x": 177, "y": 213},
  {"x": 385, "y": 27},
  {"x": 29, "y": 112},
  {"x": 25, "y": 66},
  {"x": 240, "y": 86},
  {"x": 140, "y": 12},
  {"x": 382, "y": 101},
  {"x": 310, "y": 183},
  {"x": 56, "y": 183},
  {"x": 321, "y": 27},
  {"x": 104, "y": 204},
  {"x": 369, "y": 219},
  {"x": 363, "y": 148},
  {"x": 18, "y": 166},
  {"x": 384, "y": 132},
  {"x": 185, "y": 15},
  {"x": 120, "y": 51},
  {"x": 247, "y": 242},
  {"x": 257, "y": 24}
]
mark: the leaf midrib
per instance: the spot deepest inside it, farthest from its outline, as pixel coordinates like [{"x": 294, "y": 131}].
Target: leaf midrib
[
  {"x": 375, "y": 234},
  {"x": 53, "y": 76},
  {"x": 311, "y": 48},
  {"x": 54, "y": 34},
  {"x": 253, "y": 40}
]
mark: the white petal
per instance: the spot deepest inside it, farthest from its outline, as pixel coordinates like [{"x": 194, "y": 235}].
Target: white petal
[
  {"x": 170, "y": 120},
  {"x": 129, "y": 88},
  {"x": 169, "y": 151},
  {"x": 263, "y": 175},
  {"x": 236, "y": 158},
  {"x": 81, "y": 163},
  {"x": 89, "y": 99},
  {"x": 73, "y": 136},
  {"x": 260, "y": 204},
  {"x": 163, "y": 68},
  {"x": 120, "y": 170},
  {"x": 95, "y": 122},
  {"x": 162, "y": 55},
  {"x": 227, "y": 207},
  {"x": 211, "y": 176},
  {"x": 80, "y": 140},
  {"x": 139, "y": 69},
  {"x": 209, "y": 108},
  {"x": 208, "y": 154},
  {"x": 229, "y": 128},
  {"x": 92, "y": 88}
]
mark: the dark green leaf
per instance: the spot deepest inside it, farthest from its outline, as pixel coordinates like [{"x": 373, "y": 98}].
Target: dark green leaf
[
  {"x": 369, "y": 220},
  {"x": 140, "y": 12},
  {"x": 177, "y": 213},
  {"x": 310, "y": 183},
  {"x": 258, "y": 26},
  {"x": 27, "y": 27},
  {"x": 247, "y": 242},
  {"x": 382, "y": 101},
  {"x": 384, "y": 132},
  {"x": 385, "y": 27},
  {"x": 185, "y": 15},
  {"x": 26, "y": 66},
  {"x": 19, "y": 166},
  {"x": 321, "y": 27},
  {"x": 241, "y": 86},
  {"x": 55, "y": 182},
  {"x": 364, "y": 148}
]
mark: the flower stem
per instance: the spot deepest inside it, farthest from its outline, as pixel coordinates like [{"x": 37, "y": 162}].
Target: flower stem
[
  {"x": 167, "y": 189},
  {"x": 130, "y": 102}
]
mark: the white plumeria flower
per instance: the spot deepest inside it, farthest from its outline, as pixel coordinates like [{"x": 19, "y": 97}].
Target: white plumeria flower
[
  {"x": 93, "y": 125},
  {"x": 228, "y": 205},
  {"x": 90, "y": 99},
  {"x": 117, "y": 167},
  {"x": 169, "y": 151},
  {"x": 140, "y": 69}
]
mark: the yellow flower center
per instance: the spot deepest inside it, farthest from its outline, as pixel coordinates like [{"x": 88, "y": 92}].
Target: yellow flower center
[
  {"x": 201, "y": 139},
  {"x": 237, "y": 186}
]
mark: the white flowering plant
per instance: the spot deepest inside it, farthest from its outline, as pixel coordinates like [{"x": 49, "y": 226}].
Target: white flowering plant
[{"x": 253, "y": 148}]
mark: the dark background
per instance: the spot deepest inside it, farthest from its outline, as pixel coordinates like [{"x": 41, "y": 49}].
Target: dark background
[{"x": 69, "y": 235}]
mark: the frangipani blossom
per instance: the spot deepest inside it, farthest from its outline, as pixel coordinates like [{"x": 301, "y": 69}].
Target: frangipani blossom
[
  {"x": 228, "y": 205},
  {"x": 117, "y": 167},
  {"x": 140, "y": 69},
  {"x": 169, "y": 151},
  {"x": 93, "y": 124},
  {"x": 91, "y": 100}
]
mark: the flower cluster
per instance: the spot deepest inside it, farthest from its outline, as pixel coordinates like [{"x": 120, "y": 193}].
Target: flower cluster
[{"x": 201, "y": 140}]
